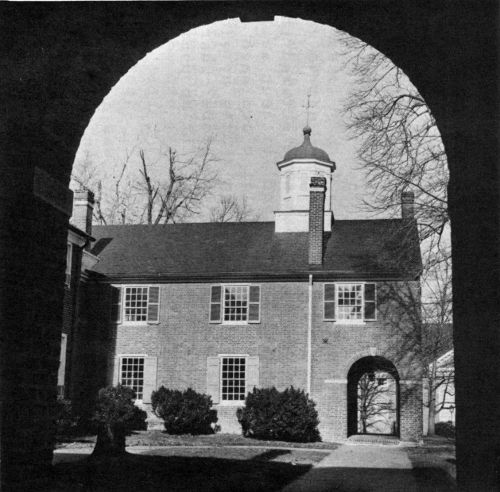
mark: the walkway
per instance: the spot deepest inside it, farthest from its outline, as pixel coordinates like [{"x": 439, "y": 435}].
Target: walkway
[{"x": 359, "y": 468}]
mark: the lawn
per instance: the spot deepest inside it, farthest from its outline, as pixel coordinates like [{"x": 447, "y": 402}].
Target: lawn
[
  {"x": 434, "y": 464},
  {"x": 186, "y": 467},
  {"x": 160, "y": 438}
]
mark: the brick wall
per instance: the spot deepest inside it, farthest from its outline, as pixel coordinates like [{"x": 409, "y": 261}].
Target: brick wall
[{"x": 184, "y": 339}]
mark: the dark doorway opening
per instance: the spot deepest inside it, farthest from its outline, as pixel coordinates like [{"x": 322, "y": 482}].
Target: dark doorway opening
[{"x": 373, "y": 397}]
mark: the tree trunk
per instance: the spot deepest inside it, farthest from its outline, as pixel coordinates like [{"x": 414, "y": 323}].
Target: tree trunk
[
  {"x": 110, "y": 441},
  {"x": 431, "y": 416}
]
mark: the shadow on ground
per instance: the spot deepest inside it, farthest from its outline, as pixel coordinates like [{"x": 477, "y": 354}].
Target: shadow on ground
[
  {"x": 373, "y": 480},
  {"x": 244, "y": 470},
  {"x": 174, "y": 473}
]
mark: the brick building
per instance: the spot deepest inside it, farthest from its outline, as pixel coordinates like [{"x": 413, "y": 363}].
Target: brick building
[
  {"x": 79, "y": 261},
  {"x": 305, "y": 300}
]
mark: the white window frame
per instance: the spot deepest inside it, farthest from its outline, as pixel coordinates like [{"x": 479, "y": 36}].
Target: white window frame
[
  {"x": 61, "y": 371},
  {"x": 223, "y": 307},
  {"x": 357, "y": 321},
  {"x": 222, "y": 401},
  {"x": 122, "y": 318},
  {"x": 120, "y": 363},
  {"x": 69, "y": 263}
]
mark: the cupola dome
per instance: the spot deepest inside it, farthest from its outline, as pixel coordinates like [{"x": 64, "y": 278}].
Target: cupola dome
[{"x": 306, "y": 150}]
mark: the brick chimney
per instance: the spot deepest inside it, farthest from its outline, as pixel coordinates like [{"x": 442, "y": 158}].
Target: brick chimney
[
  {"x": 317, "y": 189},
  {"x": 83, "y": 207},
  {"x": 408, "y": 205}
]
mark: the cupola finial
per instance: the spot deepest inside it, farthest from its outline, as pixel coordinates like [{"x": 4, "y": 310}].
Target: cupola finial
[{"x": 308, "y": 107}]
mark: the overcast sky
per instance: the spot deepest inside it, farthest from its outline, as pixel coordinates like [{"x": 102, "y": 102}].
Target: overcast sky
[{"x": 246, "y": 85}]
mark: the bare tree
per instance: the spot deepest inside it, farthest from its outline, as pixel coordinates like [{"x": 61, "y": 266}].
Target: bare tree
[
  {"x": 400, "y": 145},
  {"x": 401, "y": 150},
  {"x": 180, "y": 187},
  {"x": 166, "y": 187},
  {"x": 377, "y": 403},
  {"x": 439, "y": 372},
  {"x": 113, "y": 200},
  {"x": 230, "y": 208},
  {"x": 414, "y": 343}
]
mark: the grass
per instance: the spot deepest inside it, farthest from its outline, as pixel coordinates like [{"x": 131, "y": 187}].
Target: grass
[
  {"x": 160, "y": 438},
  {"x": 434, "y": 464},
  {"x": 219, "y": 468}
]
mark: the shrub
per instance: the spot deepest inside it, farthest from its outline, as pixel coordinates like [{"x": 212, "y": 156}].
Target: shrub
[
  {"x": 115, "y": 415},
  {"x": 138, "y": 420},
  {"x": 184, "y": 412},
  {"x": 445, "y": 429},
  {"x": 288, "y": 415}
]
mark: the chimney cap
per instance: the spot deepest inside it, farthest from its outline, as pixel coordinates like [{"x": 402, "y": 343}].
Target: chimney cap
[
  {"x": 318, "y": 182},
  {"x": 408, "y": 205},
  {"x": 83, "y": 194},
  {"x": 407, "y": 197}
]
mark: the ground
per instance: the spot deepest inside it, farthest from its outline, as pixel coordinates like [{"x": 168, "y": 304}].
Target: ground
[{"x": 221, "y": 462}]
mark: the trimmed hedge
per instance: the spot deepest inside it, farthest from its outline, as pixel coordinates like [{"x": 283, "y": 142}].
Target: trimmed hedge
[
  {"x": 288, "y": 415},
  {"x": 115, "y": 406},
  {"x": 115, "y": 415},
  {"x": 444, "y": 429},
  {"x": 184, "y": 412}
]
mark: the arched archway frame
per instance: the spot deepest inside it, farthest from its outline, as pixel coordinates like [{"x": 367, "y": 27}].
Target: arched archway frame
[
  {"x": 62, "y": 60},
  {"x": 373, "y": 395}
]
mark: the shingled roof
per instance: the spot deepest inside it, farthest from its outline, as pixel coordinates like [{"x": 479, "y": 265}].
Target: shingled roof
[{"x": 355, "y": 249}]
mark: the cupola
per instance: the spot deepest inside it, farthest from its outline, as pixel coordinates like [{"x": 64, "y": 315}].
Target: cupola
[
  {"x": 299, "y": 165},
  {"x": 306, "y": 150}
]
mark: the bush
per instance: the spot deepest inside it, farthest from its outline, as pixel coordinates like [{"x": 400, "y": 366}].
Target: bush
[
  {"x": 288, "y": 415},
  {"x": 445, "y": 429},
  {"x": 138, "y": 420},
  {"x": 184, "y": 412},
  {"x": 115, "y": 415}
]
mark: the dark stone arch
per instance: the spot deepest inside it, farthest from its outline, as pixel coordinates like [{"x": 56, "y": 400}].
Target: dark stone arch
[{"x": 58, "y": 63}]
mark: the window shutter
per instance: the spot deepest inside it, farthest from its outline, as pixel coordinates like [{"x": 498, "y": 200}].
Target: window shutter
[
  {"x": 370, "y": 302},
  {"x": 252, "y": 374},
  {"x": 329, "y": 303},
  {"x": 116, "y": 304},
  {"x": 254, "y": 304},
  {"x": 116, "y": 370},
  {"x": 213, "y": 378},
  {"x": 215, "y": 303},
  {"x": 154, "y": 304},
  {"x": 149, "y": 384}
]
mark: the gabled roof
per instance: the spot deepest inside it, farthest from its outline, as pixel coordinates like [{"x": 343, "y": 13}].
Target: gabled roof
[{"x": 354, "y": 249}]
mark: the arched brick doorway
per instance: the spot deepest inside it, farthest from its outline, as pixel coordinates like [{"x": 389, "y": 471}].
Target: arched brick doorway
[
  {"x": 373, "y": 397},
  {"x": 61, "y": 62}
]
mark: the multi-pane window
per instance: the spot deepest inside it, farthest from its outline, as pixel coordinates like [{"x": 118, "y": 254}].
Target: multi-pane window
[
  {"x": 233, "y": 378},
  {"x": 132, "y": 374},
  {"x": 349, "y": 301},
  {"x": 135, "y": 304},
  {"x": 235, "y": 304}
]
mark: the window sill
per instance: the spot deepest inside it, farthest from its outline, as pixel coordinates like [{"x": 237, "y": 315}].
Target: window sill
[
  {"x": 231, "y": 403},
  {"x": 137, "y": 323},
  {"x": 350, "y": 322}
]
